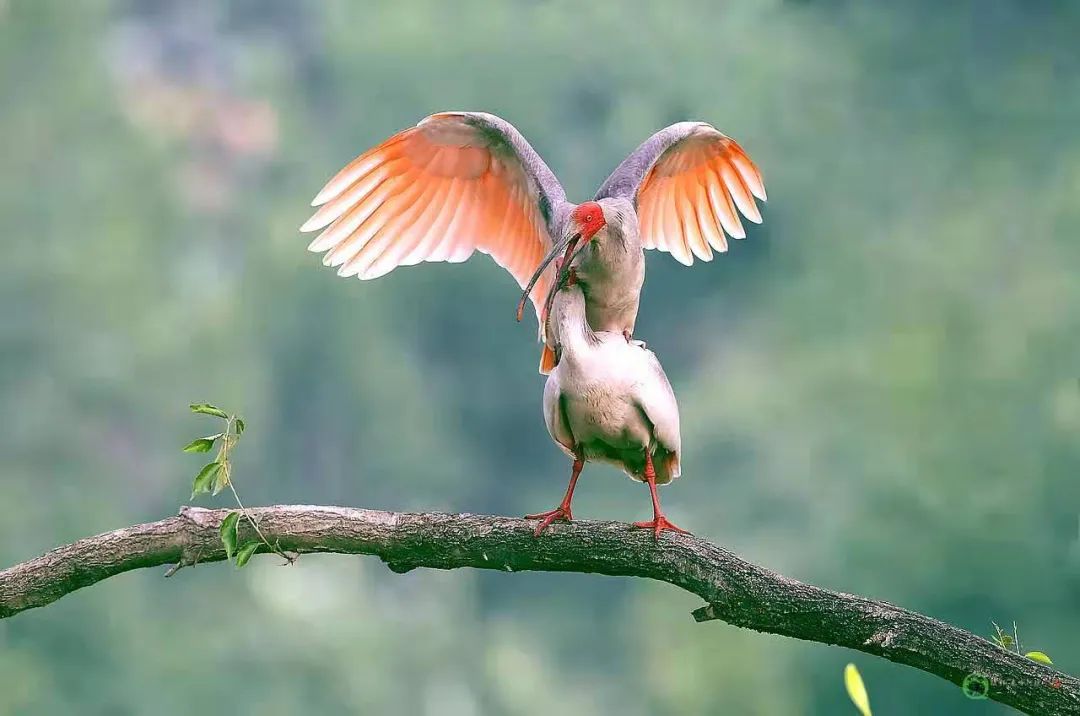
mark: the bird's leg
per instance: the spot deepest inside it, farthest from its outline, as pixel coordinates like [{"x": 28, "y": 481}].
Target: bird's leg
[
  {"x": 562, "y": 512},
  {"x": 659, "y": 522}
]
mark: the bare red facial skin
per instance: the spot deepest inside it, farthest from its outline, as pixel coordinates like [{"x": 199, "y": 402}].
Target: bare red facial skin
[{"x": 590, "y": 218}]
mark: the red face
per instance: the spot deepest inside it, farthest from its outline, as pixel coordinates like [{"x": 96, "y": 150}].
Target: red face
[{"x": 589, "y": 218}]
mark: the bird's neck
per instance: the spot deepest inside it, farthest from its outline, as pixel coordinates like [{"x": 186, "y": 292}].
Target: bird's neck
[
  {"x": 613, "y": 255},
  {"x": 573, "y": 336}
]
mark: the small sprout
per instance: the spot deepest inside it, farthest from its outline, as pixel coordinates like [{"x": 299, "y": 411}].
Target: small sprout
[
  {"x": 228, "y": 533},
  {"x": 204, "y": 481},
  {"x": 217, "y": 475},
  {"x": 202, "y": 444},
  {"x": 1001, "y": 637},
  {"x": 245, "y": 553},
  {"x": 856, "y": 689},
  {"x": 207, "y": 409},
  {"x": 1039, "y": 657},
  {"x": 1007, "y": 641}
]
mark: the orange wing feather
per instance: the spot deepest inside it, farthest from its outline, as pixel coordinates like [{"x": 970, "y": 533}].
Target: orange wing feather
[
  {"x": 693, "y": 194},
  {"x": 434, "y": 192}
]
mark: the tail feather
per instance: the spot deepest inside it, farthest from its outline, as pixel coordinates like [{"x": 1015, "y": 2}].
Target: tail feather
[
  {"x": 672, "y": 466},
  {"x": 547, "y": 360}
]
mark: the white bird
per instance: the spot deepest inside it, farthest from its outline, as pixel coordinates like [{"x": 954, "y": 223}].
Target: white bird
[{"x": 608, "y": 400}]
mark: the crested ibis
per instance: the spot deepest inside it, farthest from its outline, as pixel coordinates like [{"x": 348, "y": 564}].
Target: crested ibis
[
  {"x": 607, "y": 400},
  {"x": 460, "y": 182}
]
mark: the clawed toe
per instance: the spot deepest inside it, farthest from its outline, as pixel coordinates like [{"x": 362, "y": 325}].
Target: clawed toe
[
  {"x": 660, "y": 524},
  {"x": 546, "y": 518}
]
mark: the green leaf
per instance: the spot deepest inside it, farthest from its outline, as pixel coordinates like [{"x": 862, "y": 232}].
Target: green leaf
[
  {"x": 205, "y": 479},
  {"x": 207, "y": 409},
  {"x": 1038, "y": 656},
  {"x": 221, "y": 478},
  {"x": 240, "y": 426},
  {"x": 228, "y": 533},
  {"x": 245, "y": 553},
  {"x": 202, "y": 444},
  {"x": 856, "y": 689}
]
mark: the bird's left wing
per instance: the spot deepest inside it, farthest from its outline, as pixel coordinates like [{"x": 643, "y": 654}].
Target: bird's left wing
[
  {"x": 456, "y": 183},
  {"x": 689, "y": 183}
]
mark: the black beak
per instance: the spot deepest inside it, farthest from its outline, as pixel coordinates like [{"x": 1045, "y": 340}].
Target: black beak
[{"x": 566, "y": 247}]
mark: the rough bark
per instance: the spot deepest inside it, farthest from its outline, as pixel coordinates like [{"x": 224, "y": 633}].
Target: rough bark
[{"x": 734, "y": 590}]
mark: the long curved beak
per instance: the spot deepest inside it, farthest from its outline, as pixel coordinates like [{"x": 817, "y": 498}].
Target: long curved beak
[
  {"x": 562, "y": 278},
  {"x": 566, "y": 247}
]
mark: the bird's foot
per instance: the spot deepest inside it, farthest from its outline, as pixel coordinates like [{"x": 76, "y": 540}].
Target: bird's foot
[
  {"x": 562, "y": 512},
  {"x": 658, "y": 524}
]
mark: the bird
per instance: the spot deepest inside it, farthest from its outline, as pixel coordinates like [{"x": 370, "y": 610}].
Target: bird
[
  {"x": 460, "y": 182},
  {"x": 607, "y": 400}
]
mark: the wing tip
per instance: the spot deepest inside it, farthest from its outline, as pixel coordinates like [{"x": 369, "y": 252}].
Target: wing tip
[
  {"x": 325, "y": 194},
  {"x": 311, "y": 225}
]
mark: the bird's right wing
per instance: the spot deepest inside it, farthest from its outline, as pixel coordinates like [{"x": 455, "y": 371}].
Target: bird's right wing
[
  {"x": 689, "y": 183},
  {"x": 456, "y": 183}
]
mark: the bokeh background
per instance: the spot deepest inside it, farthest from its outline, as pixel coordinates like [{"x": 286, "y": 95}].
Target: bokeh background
[{"x": 878, "y": 387}]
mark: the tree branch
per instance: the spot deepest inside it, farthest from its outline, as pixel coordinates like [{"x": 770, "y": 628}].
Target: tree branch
[{"x": 734, "y": 590}]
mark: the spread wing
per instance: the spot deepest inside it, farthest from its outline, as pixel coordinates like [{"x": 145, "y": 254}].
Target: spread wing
[
  {"x": 456, "y": 183},
  {"x": 689, "y": 183}
]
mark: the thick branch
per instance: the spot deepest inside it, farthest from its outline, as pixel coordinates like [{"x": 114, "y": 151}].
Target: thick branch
[{"x": 735, "y": 591}]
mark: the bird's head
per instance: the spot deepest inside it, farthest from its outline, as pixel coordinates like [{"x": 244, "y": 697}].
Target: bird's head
[{"x": 586, "y": 221}]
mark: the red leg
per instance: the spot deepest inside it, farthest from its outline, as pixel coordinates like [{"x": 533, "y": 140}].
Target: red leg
[
  {"x": 659, "y": 522},
  {"x": 562, "y": 512}
]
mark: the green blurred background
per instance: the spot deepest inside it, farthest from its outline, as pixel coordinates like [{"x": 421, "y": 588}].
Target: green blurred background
[{"x": 878, "y": 387}]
